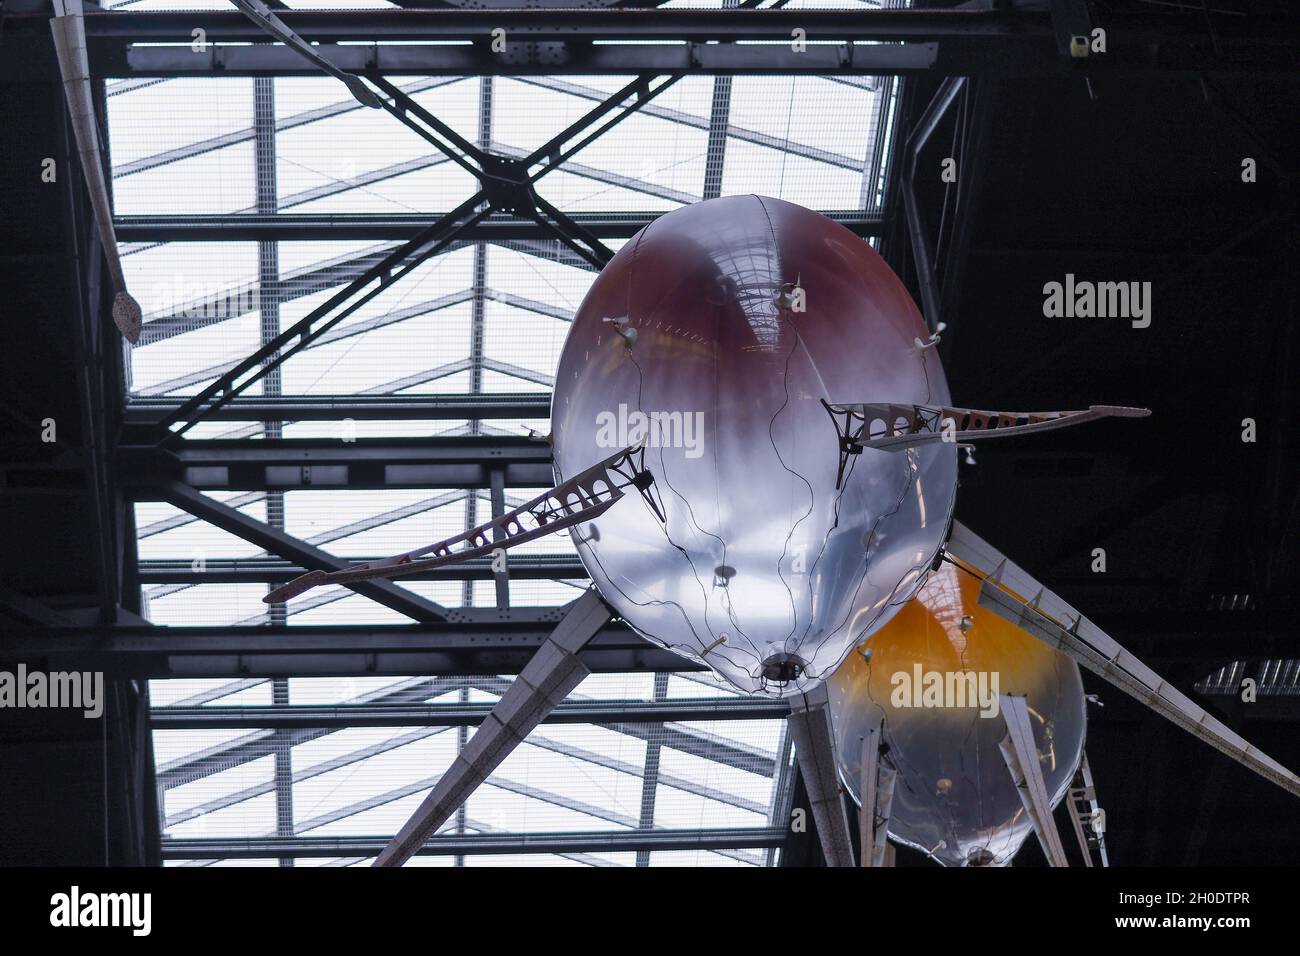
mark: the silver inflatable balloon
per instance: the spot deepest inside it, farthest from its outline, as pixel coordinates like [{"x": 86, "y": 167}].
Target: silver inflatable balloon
[{"x": 714, "y": 336}]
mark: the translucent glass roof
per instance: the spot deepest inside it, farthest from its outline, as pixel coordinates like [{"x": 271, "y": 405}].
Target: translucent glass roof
[{"x": 480, "y": 318}]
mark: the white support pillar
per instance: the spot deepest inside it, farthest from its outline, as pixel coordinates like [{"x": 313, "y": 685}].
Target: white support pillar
[
  {"x": 877, "y": 792},
  {"x": 883, "y": 852},
  {"x": 814, "y": 747},
  {"x": 1021, "y": 755},
  {"x": 1087, "y": 816},
  {"x": 554, "y": 671}
]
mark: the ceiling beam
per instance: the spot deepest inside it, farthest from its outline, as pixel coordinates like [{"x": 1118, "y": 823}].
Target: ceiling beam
[
  {"x": 608, "y": 841},
  {"x": 276, "y": 541}
]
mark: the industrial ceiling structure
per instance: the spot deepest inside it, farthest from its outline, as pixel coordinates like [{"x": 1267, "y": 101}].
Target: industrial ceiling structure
[{"x": 352, "y": 319}]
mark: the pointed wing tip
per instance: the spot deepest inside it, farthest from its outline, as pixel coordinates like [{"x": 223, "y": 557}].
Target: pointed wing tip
[
  {"x": 364, "y": 94},
  {"x": 1120, "y": 411},
  {"x": 303, "y": 582},
  {"x": 127, "y": 316}
]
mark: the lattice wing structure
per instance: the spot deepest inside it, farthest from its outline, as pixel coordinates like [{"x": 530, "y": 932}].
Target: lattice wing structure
[
  {"x": 889, "y": 426},
  {"x": 585, "y": 496}
]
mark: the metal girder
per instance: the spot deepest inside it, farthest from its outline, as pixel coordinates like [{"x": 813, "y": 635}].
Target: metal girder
[
  {"x": 638, "y": 770},
  {"x": 301, "y": 716},
  {"x": 398, "y": 263},
  {"x": 716, "y": 147},
  {"x": 507, "y": 182},
  {"x": 489, "y": 643},
  {"x": 528, "y": 305},
  {"x": 147, "y": 411},
  {"x": 650, "y": 775},
  {"x": 246, "y": 134},
  {"x": 782, "y": 786},
  {"x": 814, "y": 748},
  {"x": 607, "y": 177},
  {"x": 384, "y": 746},
  {"x": 608, "y": 841},
  {"x": 971, "y": 154},
  {"x": 230, "y": 303},
  {"x": 267, "y": 21},
  {"x": 303, "y": 773},
  {"x": 242, "y": 750},
  {"x": 274, "y": 571},
  {"x": 1021, "y": 754},
  {"x": 463, "y": 822},
  {"x": 278, "y": 542},
  {"x": 705, "y": 124},
  {"x": 976, "y": 30},
  {"x": 318, "y": 277},
  {"x": 499, "y": 228},
  {"x": 190, "y": 576},
  {"x": 539, "y": 689},
  {"x": 562, "y": 57},
  {"x": 253, "y": 464},
  {"x": 482, "y": 641},
  {"x": 326, "y": 338},
  {"x": 698, "y": 743},
  {"x": 880, "y": 25},
  {"x": 505, "y": 185},
  {"x": 859, "y": 41},
  {"x": 500, "y": 783},
  {"x": 917, "y": 232}
]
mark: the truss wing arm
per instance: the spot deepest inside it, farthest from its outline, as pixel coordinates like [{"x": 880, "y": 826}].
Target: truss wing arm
[
  {"x": 583, "y": 497},
  {"x": 1050, "y": 619},
  {"x": 893, "y": 426},
  {"x": 261, "y": 14}
]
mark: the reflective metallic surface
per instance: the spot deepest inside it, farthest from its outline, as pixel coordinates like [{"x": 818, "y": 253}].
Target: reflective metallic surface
[
  {"x": 716, "y": 332},
  {"x": 953, "y": 796}
]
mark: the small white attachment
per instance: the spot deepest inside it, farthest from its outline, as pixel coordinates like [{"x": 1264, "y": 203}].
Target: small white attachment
[
  {"x": 785, "y": 296},
  {"x": 935, "y": 849},
  {"x": 934, "y": 338},
  {"x": 628, "y": 335}
]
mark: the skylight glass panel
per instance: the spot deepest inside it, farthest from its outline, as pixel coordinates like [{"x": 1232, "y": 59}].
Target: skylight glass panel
[{"x": 484, "y": 317}]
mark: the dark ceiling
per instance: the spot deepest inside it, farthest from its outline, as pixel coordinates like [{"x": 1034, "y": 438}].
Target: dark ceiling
[{"x": 1140, "y": 180}]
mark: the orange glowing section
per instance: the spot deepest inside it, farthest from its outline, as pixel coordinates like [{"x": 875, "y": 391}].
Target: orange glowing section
[{"x": 934, "y": 674}]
